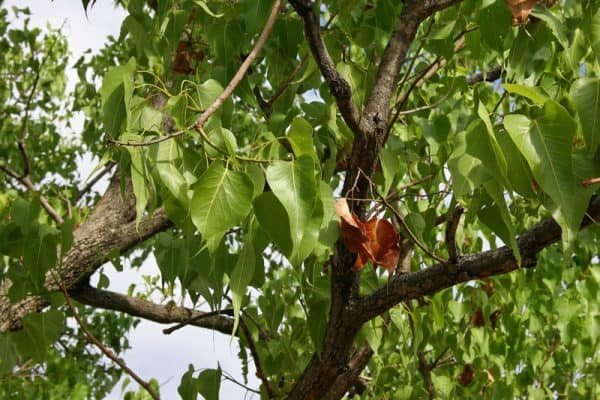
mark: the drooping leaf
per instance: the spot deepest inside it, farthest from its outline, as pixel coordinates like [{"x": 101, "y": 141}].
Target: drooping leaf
[
  {"x": 389, "y": 166},
  {"x": 585, "y": 95},
  {"x": 115, "y": 93},
  {"x": 244, "y": 271},
  {"x": 488, "y": 149},
  {"x": 294, "y": 185},
  {"x": 187, "y": 388},
  {"x": 222, "y": 199},
  {"x": 141, "y": 179},
  {"x": 535, "y": 94},
  {"x": 38, "y": 333},
  {"x": 209, "y": 383},
  {"x": 273, "y": 219},
  {"x": 545, "y": 142},
  {"x": 300, "y": 137},
  {"x": 8, "y": 354},
  {"x": 165, "y": 157}
]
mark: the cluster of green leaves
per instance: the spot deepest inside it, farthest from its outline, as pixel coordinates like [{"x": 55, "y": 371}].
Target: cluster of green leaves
[
  {"x": 32, "y": 94},
  {"x": 44, "y": 359}
]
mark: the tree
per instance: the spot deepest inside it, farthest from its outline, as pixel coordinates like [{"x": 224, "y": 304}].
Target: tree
[{"x": 461, "y": 136}]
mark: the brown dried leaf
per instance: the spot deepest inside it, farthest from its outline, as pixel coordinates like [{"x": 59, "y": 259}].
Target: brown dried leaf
[
  {"x": 375, "y": 240},
  {"x": 466, "y": 376},
  {"x": 521, "y": 9}
]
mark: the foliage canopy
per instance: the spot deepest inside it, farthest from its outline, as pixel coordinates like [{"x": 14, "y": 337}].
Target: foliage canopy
[{"x": 463, "y": 135}]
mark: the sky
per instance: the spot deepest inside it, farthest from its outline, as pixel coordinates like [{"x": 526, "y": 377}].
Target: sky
[{"x": 153, "y": 354}]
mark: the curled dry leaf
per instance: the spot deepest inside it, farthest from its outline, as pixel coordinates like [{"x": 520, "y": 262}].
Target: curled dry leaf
[
  {"x": 375, "y": 240},
  {"x": 185, "y": 57},
  {"x": 521, "y": 9}
]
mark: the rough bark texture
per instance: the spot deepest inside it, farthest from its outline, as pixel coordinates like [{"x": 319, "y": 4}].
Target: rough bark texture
[
  {"x": 110, "y": 227},
  {"x": 369, "y": 137}
]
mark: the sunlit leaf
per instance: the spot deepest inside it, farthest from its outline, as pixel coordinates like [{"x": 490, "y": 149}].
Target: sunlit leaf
[{"x": 222, "y": 199}]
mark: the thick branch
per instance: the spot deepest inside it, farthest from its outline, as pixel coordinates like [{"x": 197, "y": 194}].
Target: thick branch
[
  {"x": 348, "y": 379},
  {"x": 340, "y": 89},
  {"x": 111, "y": 227},
  {"x": 474, "y": 266},
  {"x": 163, "y": 314},
  {"x": 324, "y": 368},
  {"x": 413, "y": 14}
]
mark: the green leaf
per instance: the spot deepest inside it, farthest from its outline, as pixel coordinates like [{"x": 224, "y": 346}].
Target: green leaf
[
  {"x": 26, "y": 214},
  {"x": 143, "y": 184},
  {"x": 294, "y": 185},
  {"x": 585, "y": 95},
  {"x": 519, "y": 173},
  {"x": 546, "y": 142},
  {"x": 487, "y": 148},
  {"x": 497, "y": 217},
  {"x": 208, "y": 92},
  {"x": 187, "y": 387},
  {"x": 115, "y": 93},
  {"x": 273, "y": 219},
  {"x": 209, "y": 383},
  {"x": 300, "y": 137},
  {"x": 558, "y": 29},
  {"x": 222, "y": 199},
  {"x": 592, "y": 30},
  {"x": 389, "y": 166},
  {"x": 8, "y": 354},
  {"x": 535, "y": 94},
  {"x": 143, "y": 118},
  {"x": 165, "y": 156},
  {"x": 242, "y": 274},
  {"x": 39, "y": 331},
  {"x": 258, "y": 178},
  {"x": 40, "y": 253}
]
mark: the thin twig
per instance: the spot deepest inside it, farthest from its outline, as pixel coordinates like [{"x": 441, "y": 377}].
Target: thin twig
[
  {"x": 283, "y": 87},
  {"x": 425, "y": 370},
  {"x": 402, "y": 222},
  {"x": 424, "y": 367},
  {"x": 227, "y": 376},
  {"x": 590, "y": 182},
  {"x": 25, "y": 181},
  {"x": 109, "y": 353},
  {"x": 83, "y": 191},
  {"x": 427, "y": 107},
  {"x": 338, "y": 86},
  {"x": 159, "y": 139},
  {"x": 260, "y": 373},
  {"x": 239, "y": 75},
  {"x": 438, "y": 360},
  {"x": 21, "y": 142},
  {"x": 168, "y": 331},
  {"x": 416, "y": 56},
  {"x": 423, "y": 76},
  {"x": 237, "y": 78}
]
